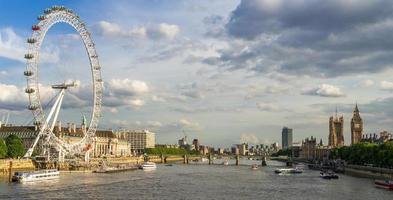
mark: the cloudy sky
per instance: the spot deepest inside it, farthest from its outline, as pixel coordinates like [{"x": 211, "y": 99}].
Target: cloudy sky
[{"x": 224, "y": 71}]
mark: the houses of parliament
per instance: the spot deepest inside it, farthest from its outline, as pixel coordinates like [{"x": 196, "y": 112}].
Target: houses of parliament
[{"x": 336, "y": 129}]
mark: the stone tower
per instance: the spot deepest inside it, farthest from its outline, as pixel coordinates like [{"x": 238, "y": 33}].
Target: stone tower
[
  {"x": 356, "y": 126},
  {"x": 336, "y": 131}
]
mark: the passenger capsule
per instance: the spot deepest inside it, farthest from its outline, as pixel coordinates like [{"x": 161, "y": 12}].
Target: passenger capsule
[
  {"x": 35, "y": 28},
  {"x": 31, "y": 40},
  {"x": 47, "y": 11},
  {"x": 28, "y": 73},
  {"x": 41, "y": 17},
  {"x": 32, "y": 107},
  {"x": 29, "y": 56},
  {"x": 29, "y": 90}
]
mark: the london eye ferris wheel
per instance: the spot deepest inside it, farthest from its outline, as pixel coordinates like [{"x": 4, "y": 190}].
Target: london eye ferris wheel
[{"x": 46, "y": 121}]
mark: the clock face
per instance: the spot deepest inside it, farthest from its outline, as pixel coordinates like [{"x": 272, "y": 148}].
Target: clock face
[{"x": 357, "y": 125}]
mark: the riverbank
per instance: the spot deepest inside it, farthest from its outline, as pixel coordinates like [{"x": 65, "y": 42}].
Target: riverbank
[
  {"x": 367, "y": 172},
  {"x": 354, "y": 170},
  {"x": 27, "y": 164}
]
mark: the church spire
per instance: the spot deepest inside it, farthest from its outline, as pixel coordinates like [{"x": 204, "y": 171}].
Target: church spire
[
  {"x": 84, "y": 120},
  {"x": 356, "y": 107}
]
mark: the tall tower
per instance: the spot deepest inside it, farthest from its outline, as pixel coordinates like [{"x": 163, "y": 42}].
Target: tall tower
[
  {"x": 287, "y": 137},
  {"x": 336, "y": 131},
  {"x": 356, "y": 126}
]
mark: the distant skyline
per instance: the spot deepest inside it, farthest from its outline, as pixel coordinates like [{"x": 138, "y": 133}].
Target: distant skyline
[{"x": 225, "y": 71}]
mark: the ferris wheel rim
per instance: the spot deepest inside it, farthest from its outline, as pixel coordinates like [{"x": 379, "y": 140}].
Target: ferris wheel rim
[{"x": 55, "y": 15}]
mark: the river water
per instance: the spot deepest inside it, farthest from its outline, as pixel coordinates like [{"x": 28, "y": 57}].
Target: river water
[{"x": 197, "y": 181}]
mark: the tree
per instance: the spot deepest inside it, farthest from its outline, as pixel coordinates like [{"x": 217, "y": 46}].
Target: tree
[
  {"x": 380, "y": 155},
  {"x": 14, "y": 146},
  {"x": 3, "y": 149}
]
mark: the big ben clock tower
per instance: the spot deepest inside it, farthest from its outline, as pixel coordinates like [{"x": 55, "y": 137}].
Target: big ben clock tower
[{"x": 356, "y": 126}]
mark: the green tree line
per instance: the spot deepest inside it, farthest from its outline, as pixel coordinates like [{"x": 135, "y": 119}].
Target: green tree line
[
  {"x": 169, "y": 151},
  {"x": 11, "y": 147},
  {"x": 283, "y": 152},
  {"x": 379, "y": 155}
]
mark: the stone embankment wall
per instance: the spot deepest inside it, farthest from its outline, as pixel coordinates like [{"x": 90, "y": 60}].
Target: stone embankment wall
[
  {"x": 16, "y": 165},
  {"x": 367, "y": 172}
]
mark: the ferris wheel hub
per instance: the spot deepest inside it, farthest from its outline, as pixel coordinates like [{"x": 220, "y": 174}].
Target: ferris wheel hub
[{"x": 65, "y": 85}]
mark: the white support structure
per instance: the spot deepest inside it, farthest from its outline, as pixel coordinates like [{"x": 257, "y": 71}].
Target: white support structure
[{"x": 52, "y": 16}]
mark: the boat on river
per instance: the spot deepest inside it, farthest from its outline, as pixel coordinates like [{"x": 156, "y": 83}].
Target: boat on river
[
  {"x": 385, "y": 184},
  {"x": 328, "y": 175},
  {"x": 254, "y": 166},
  {"x": 39, "y": 175},
  {"x": 148, "y": 166},
  {"x": 104, "y": 167},
  {"x": 119, "y": 168},
  {"x": 288, "y": 171}
]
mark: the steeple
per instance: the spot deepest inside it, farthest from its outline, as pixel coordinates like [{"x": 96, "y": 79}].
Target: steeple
[
  {"x": 84, "y": 120},
  {"x": 83, "y": 125},
  {"x": 356, "y": 108}
]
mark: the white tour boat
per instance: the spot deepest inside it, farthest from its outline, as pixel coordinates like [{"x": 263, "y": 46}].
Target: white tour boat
[
  {"x": 288, "y": 171},
  {"x": 254, "y": 166},
  {"x": 40, "y": 175},
  {"x": 149, "y": 166}
]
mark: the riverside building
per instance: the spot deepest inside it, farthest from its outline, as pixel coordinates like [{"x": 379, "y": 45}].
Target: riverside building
[
  {"x": 105, "y": 143},
  {"x": 311, "y": 150},
  {"x": 139, "y": 140}
]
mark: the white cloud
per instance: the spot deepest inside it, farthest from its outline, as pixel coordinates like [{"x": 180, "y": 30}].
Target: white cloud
[
  {"x": 137, "y": 102},
  {"x": 154, "y": 124},
  {"x": 127, "y": 87},
  {"x": 12, "y": 46},
  {"x": 386, "y": 85},
  {"x": 125, "y": 92},
  {"x": 153, "y": 31},
  {"x": 163, "y": 30},
  {"x": 157, "y": 98},
  {"x": 267, "y": 107},
  {"x": 249, "y": 138},
  {"x": 324, "y": 90},
  {"x": 185, "y": 123},
  {"x": 256, "y": 91},
  {"x": 368, "y": 83},
  {"x": 120, "y": 123},
  {"x": 12, "y": 97}
]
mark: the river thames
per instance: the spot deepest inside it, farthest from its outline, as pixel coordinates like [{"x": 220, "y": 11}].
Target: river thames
[{"x": 197, "y": 182}]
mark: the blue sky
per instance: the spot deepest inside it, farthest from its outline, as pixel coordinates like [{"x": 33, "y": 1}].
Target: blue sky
[{"x": 223, "y": 71}]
